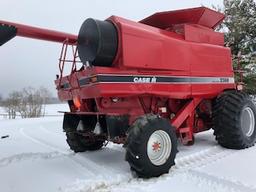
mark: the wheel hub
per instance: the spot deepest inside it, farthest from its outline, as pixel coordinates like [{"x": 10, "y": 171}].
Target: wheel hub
[
  {"x": 156, "y": 146},
  {"x": 159, "y": 147},
  {"x": 247, "y": 121}
]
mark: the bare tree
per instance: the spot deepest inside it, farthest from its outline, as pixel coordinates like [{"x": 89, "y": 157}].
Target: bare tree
[
  {"x": 29, "y": 102},
  {"x": 11, "y": 104},
  {"x": 46, "y": 95}
]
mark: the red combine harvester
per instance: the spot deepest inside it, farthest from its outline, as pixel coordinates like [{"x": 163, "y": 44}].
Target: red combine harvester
[{"x": 144, "y": 84}]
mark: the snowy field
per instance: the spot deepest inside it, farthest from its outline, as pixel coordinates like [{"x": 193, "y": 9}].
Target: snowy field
[
  {"x": 36, "y": 158},
  {"x": 50, "y": 110}
]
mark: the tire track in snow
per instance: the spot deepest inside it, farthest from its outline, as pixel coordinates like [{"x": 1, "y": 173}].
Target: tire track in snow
[
  {"x": 50, "y": 132},
  {"x": 187, "y": 168},
  {"x": 80, "y": 159},
  {"x": 42, "y": 143},
  {"x": 183, "y": 165},
  {"x": 90, "y": 166},
  {"x": 225, "y": 181},
  {"x": 29, "y": 156},
  {"x": 220, "y": 182},
  {"x": 202, "y": 158},
  {"x": 66, "y": 153}
]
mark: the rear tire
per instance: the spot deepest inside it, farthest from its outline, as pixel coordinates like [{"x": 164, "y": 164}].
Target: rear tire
[
  {"x": 78, "y": 143},
  {"x": 84, "y": 139},
  {"x": 151, "y": 146},
  {"x": 234, "y": 116}
]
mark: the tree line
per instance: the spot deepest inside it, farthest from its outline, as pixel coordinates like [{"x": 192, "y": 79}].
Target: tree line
[{"x": 27, "y": 103}]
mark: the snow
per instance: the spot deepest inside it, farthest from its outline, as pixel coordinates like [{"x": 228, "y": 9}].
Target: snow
[
  {"x": 35, "y": 157},
  {"x": 50, "y": 110}
]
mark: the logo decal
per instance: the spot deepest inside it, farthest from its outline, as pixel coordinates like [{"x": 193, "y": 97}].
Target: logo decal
[{"x": 144, "y": 79}]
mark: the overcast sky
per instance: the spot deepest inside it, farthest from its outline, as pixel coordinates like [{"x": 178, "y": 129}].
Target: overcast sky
[{"x": 27, "y": 62}]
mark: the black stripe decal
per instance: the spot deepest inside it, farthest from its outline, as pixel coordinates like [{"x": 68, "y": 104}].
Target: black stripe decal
[
  {"x": 84, "y": 81},
  {"x": 154, "y": 79},
  {"x": 150, "y": 79}
]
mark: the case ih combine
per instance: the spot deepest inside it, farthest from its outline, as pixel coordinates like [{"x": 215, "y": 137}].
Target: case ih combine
[{"x": 147, "y": 83}]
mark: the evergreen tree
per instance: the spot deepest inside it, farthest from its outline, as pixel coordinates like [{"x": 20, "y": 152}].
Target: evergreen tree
[{"x": 240, "y": 35}]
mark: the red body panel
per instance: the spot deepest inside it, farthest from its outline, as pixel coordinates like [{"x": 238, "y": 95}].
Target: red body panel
[
  {"x": 146, "y": 47},
  {"x": 195, "y": 33}
]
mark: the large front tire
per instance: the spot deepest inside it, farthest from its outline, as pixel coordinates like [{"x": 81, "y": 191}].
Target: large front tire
[
  {"x": 151, "y": 146},
  {"x": 234, "y": 116}
]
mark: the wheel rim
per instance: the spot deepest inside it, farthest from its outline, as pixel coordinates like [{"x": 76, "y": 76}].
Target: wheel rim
[
  {"x": 159, "y": 147},
  {"x": 248, "y": 121}
]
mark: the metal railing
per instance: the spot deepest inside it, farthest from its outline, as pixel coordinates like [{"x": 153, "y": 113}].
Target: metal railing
[{"x": 63, "y": 59}]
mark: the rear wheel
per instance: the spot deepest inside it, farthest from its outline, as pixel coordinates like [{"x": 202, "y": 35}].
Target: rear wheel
[
  {"x": 151, "y": 146},
  {"x": 234, "y": 116},
  {"x": 79, "y": 133},
  {"x": 78, "y": 143}
]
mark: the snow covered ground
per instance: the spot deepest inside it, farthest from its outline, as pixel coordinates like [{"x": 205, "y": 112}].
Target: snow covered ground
[
  {"x": 50, "y": 110},
  {"x": 36, "y": 158}
]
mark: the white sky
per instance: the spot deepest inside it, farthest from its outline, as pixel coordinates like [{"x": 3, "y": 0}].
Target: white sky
[{"x": 27, "y": 62}]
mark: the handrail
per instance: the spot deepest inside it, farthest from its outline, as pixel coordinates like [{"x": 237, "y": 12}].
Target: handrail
[{"x": 63, "y": 60}]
